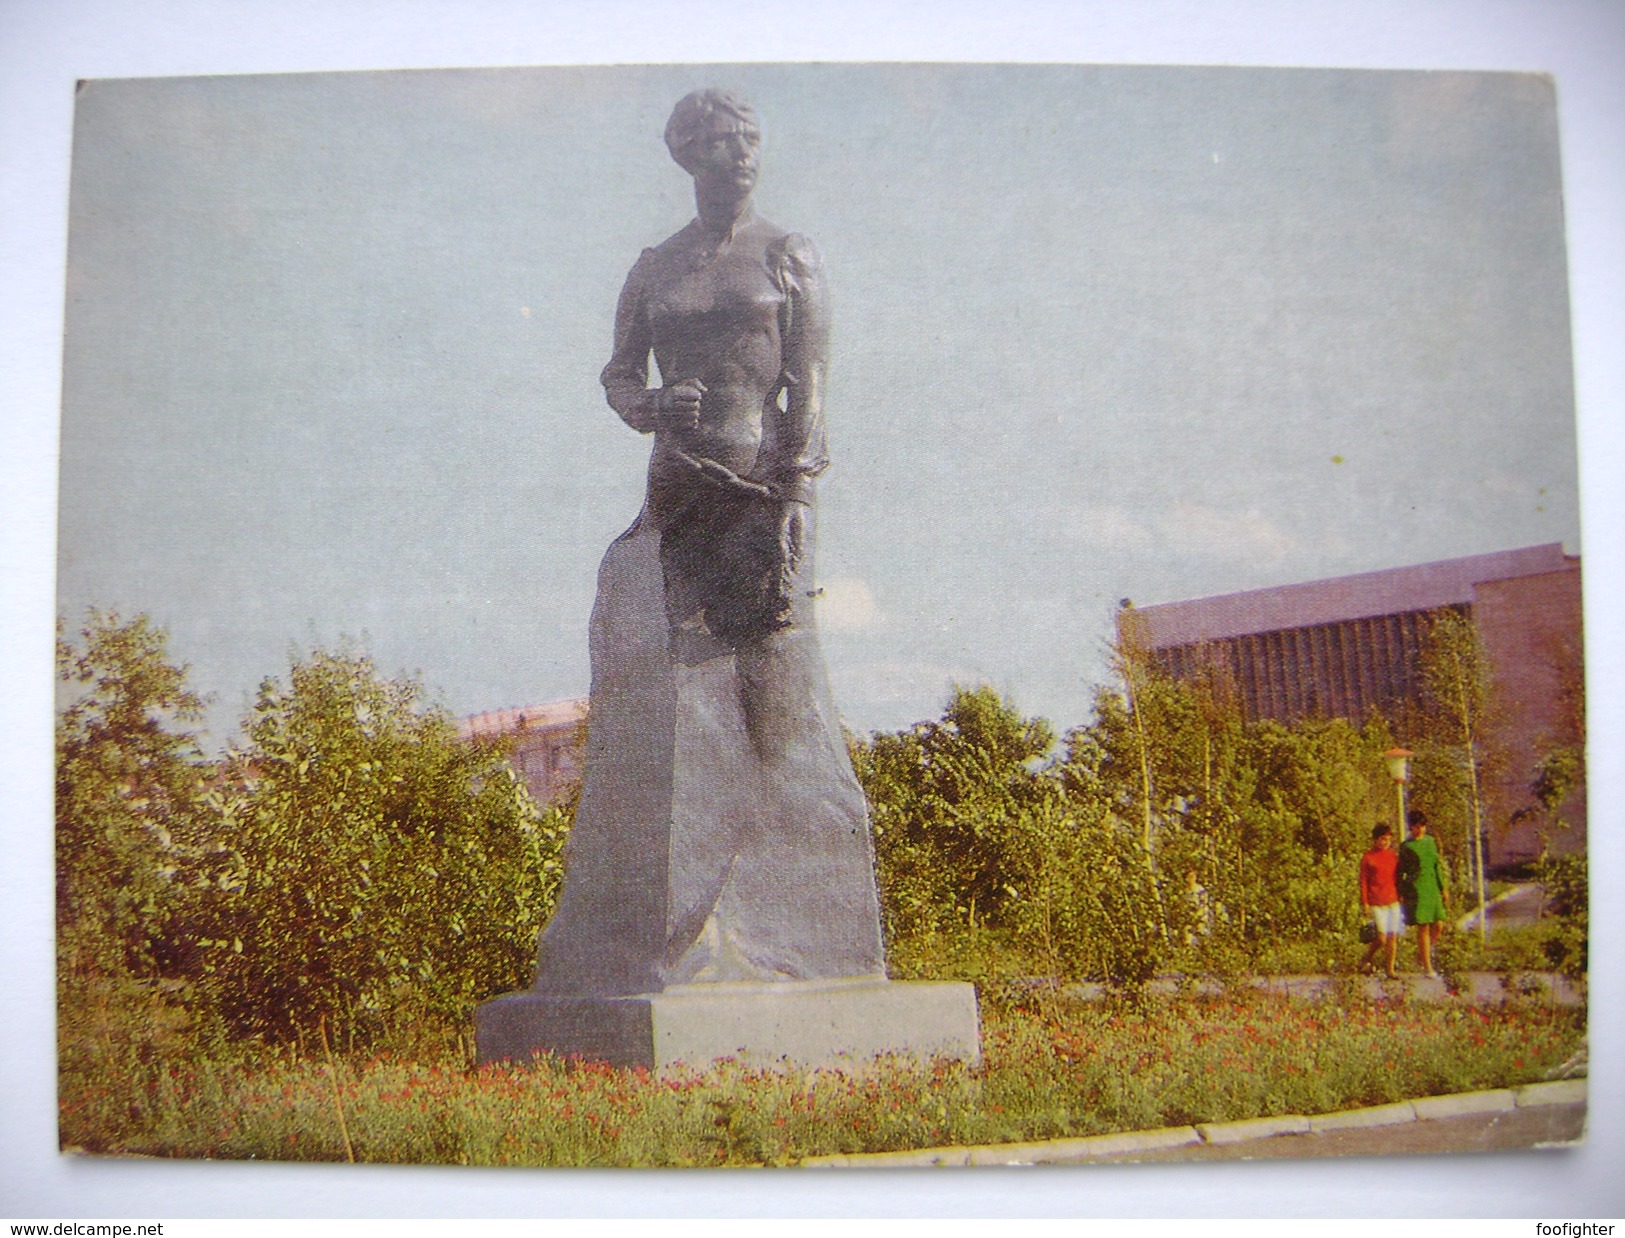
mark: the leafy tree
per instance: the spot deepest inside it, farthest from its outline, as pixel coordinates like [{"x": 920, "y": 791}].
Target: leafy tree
[
  {"x": 1092, "y": 907},
  {"x": 1164, "y": 755},
  {"x": 1564, "y": 880},
  {"x": 130, "y": 866},
  {"x": 387, "y": 874},
  {"x": 947, "y": 799},
  {"x": 1455, "y": 677},
  {"x": 1560, "y": 773},
  {"x": 1254, "y": 826},
  {"x": 128, "y": 792},
  {"x": 1157, "y": 733}
]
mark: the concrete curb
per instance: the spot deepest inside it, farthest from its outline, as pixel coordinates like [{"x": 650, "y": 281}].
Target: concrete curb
[
  {"x": 1354, "y": 1119},
  {"x": 1253, "y": 1128},
  {"x": 1500, "y": 1100},
  {"x": 1089, "y": 1147},
  {"x": 1560, "y": 1092},
  {"x": 1128, "y": 1143}
]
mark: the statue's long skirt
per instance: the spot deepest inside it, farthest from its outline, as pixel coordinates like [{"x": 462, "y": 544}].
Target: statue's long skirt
[{"x": 722, "y": 835}]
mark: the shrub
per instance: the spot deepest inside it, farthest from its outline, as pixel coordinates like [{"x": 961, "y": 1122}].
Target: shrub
[
  {"x": 947, "y": 800},
  {"x": 387, "y": 875},
  {"x": 131, "y": 870},
  {"x": 1567, "y": 885}
]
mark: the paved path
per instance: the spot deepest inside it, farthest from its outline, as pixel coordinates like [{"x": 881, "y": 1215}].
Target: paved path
[
  {"x": 1478, "y": 986},
  {"x": 1521, "y": 904},
  {"x": 1535, "y": 1115},
  {"x": 1548, "y": 1125}
]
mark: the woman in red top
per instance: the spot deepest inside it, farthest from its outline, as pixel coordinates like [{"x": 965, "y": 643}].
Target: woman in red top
[{"x": 1379, "y": 897}]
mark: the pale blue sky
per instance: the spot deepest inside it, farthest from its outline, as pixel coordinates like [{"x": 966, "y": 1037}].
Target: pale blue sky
[{"x": 333, "y": 345}]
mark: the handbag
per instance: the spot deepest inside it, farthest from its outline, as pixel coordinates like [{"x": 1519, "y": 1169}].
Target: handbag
[{"x": 1368, "y": 933}]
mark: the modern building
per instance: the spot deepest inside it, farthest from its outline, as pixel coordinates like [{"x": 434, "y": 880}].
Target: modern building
[
  {"x": 549, "y": 741},
  {"x": 1343, "y": 647}
]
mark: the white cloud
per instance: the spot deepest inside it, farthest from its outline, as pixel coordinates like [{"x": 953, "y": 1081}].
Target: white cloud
[
  {"x": 1193, "y": 529},
  {"x": 1226, "y": 536},
  {"x": 1111, "y": 527},
  {"x": 847, "y": 604}
]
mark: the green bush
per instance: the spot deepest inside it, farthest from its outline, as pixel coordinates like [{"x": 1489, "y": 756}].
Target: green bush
[
  {"x": 1167, "y": 835},
  {"x": 387, "y": 875},
  {"x": 1566, "y": 880},
  {"x": 132, "y": 870},
  {"x": 356, "y": 869},
  {"x": 948, "y": 801},
  {"x": 358, "y": 873}
]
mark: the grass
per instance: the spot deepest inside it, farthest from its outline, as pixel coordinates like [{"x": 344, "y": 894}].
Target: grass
[
  {"x": 1052, "y": 1069},
  {"x": 1510, "y": 949}
]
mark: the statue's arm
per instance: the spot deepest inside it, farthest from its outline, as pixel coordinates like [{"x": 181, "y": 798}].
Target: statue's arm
[
  {"x": 794, "y": 448},
  {"x": 626, "y": 377}
]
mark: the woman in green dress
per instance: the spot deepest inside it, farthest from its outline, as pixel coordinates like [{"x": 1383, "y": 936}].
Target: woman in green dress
[{"x": 1422, "y": 889}]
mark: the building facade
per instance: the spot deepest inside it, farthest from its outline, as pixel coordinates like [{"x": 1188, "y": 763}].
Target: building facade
[
  {"x": 549, "y": 743},
  {"x": 1343, "y": 647}
]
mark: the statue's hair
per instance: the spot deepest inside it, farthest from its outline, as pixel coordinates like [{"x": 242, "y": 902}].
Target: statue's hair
[{"x": 693, "y": 110}]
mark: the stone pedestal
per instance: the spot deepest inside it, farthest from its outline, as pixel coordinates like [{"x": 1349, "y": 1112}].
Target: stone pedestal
[
  {"x": 840, "y": 1024},
  {"x": 719, "y": 896}
]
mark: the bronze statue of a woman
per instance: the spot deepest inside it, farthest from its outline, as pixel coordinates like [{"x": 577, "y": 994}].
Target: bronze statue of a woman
[
  {"x": 721, "y": 835},
  {"x": 719, "y": 889}
]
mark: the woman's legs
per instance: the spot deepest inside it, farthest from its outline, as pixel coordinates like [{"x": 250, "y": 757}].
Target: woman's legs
[
  {"x": 1427, "y": 936},
  {"x": 1390, "y": 926},
  {"x": 1371, "y": 952}
]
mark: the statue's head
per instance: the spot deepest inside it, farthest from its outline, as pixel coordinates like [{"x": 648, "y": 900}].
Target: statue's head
[{"x": 714, "y": 136}]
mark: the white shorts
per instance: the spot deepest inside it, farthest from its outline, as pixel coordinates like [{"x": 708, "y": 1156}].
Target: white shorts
[{"x": 1390, "y": 920}]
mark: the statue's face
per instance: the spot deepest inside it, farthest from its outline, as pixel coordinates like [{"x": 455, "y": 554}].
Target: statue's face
[{"x": 725, "y": 155}]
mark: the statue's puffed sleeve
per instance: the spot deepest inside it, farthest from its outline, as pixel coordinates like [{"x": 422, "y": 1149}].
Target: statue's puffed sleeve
[
  {"x": 626, "y": 377},
  {"x": 794, "y": 448}
]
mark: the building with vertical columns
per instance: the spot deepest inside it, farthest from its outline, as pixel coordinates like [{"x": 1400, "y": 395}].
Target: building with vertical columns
[
  {"x": 548, "y": 744},
  {"x": 1343, "y": 647}
]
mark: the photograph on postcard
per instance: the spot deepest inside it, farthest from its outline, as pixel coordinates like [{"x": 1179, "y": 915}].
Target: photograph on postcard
[{"x": 822, "y": 615}]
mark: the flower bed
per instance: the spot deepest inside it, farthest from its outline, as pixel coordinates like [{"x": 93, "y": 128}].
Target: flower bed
[{"x": 1052, "y": 1069}]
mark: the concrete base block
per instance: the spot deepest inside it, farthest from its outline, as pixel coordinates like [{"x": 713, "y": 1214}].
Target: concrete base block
[{"x": 809, "y": 1024}]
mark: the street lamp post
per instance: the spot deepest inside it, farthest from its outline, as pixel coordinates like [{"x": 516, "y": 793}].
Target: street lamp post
[{"x": 1398, "y": 760}]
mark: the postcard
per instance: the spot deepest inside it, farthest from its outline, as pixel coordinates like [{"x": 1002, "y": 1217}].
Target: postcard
[{"x": 819, "y": 615}]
